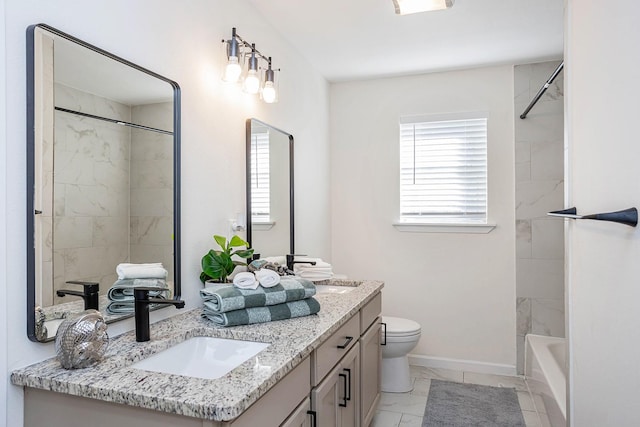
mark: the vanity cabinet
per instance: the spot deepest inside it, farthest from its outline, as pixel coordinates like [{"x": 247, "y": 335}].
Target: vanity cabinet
[
  {"x": 370, "y": 359},
  {"x": 336, "y": 399},
  {"x": 349, "y": 394},
  {"x": 338, "y": 385}
]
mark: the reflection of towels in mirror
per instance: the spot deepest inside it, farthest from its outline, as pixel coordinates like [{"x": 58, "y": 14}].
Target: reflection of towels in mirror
[
  {"x": 141, "y": 271},
  {"x": 126, "y": 307},
  {"x": 318, "y": 272},
  {"x": 122, "y": 290},
  {"x": 276, "y": 259}
]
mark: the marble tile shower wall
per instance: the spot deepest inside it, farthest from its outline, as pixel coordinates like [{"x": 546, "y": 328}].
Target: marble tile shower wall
[
  {"x": 91, "y": 190},
  {"x": 539, "y": 172},
  {"x": 152, "y": 186}
]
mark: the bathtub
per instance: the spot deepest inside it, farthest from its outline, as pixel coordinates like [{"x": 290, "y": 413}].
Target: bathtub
[{"x": 545, "y": 371}]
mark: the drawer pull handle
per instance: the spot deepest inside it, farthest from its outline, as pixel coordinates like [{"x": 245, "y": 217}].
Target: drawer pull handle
[
  {"x": 313, "y": 415},
  {"x": 348, "y": 394},
  {"x": 344, "y": 399},
  {"x": 346, "y": 343},
  {"x": 385, "y": 333}
]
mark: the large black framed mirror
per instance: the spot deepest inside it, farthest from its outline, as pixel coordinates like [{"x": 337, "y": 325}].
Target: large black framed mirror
[
  {"x": 270, "y": 207},
  {"x": 103, "y": 177}
]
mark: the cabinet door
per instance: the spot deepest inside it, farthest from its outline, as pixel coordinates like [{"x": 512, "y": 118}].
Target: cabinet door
[
  {"x": 370, "y": 365},
  {"x": 300, "y": 417},
  {"x": 324, "y": 399},
  {"x": 349, "y": 390}
]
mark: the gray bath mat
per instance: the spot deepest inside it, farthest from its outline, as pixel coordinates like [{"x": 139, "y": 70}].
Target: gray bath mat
[{"x": 470, "y": 405}]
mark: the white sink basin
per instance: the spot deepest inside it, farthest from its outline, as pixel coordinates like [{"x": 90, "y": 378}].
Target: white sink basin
[
  {"x": 202, "y": 357},
  {"x": 332, "y": 289}
]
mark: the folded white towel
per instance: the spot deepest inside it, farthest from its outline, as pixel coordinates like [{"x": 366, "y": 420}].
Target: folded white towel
[
  {"x": 267, "y": 278},
  {"x": 141, "y": 271},
  {"x": 318, "y": 272},
  {"x": 315, "y": 277},
  {"x": 245, "y": 280}
]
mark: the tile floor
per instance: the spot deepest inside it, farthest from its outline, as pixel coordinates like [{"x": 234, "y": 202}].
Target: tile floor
[{"x": 407, "y": 409}]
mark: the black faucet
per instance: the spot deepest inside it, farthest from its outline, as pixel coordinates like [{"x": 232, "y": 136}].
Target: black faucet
[
  {"x": 89, "y": 294},
  {"x": 141, "y": 306},
  {"x": 291, "y": 261}
]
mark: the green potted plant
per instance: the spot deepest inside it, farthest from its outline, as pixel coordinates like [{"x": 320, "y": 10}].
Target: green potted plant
[{"x": 217, "y": 265}]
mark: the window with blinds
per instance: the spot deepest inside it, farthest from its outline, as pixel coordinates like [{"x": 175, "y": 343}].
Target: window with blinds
[
  {"x": 443, "y": 170},
  {"x": 260, "y": 177}
]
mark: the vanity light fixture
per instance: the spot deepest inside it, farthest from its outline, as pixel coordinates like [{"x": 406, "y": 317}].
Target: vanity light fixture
[
  {"x": 237, "y": 52},
  {"x": 405, "y": 7}
]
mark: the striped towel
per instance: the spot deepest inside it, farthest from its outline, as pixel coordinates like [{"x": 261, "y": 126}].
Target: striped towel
[
  {"x": 126, "y": 307},
  {"x": 253, "y": 315},
  {"x": 122, "y": 290},
  {"x": 225, "y": 298}
]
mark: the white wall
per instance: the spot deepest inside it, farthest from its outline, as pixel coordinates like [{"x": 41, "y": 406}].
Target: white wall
[
  {"x": 4, "y": 304},
  {"x": 180, "y": 40},
  {"x": 459, "y": 287},
  {"x": 602, "y": 62}
]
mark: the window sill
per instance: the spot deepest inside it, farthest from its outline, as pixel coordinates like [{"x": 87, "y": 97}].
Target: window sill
[
  {"x": 262, "y": 226},
  {"x": 422, "y": 227}
]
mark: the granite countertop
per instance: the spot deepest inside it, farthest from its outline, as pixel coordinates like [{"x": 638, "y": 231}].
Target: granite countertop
[{"x": 221, "y": 399}]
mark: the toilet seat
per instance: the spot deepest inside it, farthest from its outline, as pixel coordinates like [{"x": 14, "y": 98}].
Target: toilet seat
[{"x": 399, "y": 328}]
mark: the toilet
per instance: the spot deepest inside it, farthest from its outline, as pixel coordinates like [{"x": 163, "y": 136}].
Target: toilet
[{"x": 402, "y": 335}]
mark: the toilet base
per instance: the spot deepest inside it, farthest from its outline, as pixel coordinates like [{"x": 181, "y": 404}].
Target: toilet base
[{"x": 395, "y": 375}]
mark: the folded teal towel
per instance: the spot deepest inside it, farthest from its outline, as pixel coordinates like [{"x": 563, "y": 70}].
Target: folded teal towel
[
  {"x": 225, "y": 298},
  {"x": 252, "y": 315},
  {"x": 126, "y": 307},
  {"x": 122, "y": 290}
]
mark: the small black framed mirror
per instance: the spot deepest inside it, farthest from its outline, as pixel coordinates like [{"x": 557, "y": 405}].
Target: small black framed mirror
[
  {"x": 270, "y": 195},
  {"x": 103, "y": 176}
]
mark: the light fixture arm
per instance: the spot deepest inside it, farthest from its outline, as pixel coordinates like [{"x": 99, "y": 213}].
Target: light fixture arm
[{"x": 237, "y": 40}]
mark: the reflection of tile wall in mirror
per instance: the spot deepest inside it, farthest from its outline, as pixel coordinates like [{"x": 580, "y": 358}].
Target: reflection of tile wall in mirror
[
  {"x": 92, "y": 178},
  {"x": 115, "y": 189},
  {"x": 152, "y": 187}
]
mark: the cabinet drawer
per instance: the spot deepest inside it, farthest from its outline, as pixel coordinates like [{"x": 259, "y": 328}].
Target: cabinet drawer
[
  {"x": 370, "y": 312},
  {"x": 334, "y": 348}
]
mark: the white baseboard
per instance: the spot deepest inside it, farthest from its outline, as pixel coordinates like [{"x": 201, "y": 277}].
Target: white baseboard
[{"x": 462, "y": 365}]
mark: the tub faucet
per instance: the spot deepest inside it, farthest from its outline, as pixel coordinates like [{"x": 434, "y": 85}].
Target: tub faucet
[
  {"x": 291, "y": 260},
  {"x": 141, "y": 306},
  {"x": 89, "y": 294}
]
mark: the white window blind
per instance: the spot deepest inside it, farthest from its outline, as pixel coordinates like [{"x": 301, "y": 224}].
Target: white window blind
[
  {"x": 260, "y": 177},
  {"x": 443, "y": 171}
]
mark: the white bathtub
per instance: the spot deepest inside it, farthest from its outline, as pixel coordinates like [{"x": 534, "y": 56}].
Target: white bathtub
[{"x": 545, "y": 370}]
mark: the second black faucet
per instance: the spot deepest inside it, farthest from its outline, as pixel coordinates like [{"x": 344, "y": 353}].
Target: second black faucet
[{"x": 141, "y": 306}]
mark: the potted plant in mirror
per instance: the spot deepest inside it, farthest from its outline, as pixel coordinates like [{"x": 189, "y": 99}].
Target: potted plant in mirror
[{"x": 217, "y": 265}]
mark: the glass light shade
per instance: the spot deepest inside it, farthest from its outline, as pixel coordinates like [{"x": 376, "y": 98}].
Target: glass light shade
[
  {"x": 405, "y": 7},
  {"x": 269, "y": 92},
  {"x": 252, "y": 82},
  {"x": 233, "y": 70}
]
